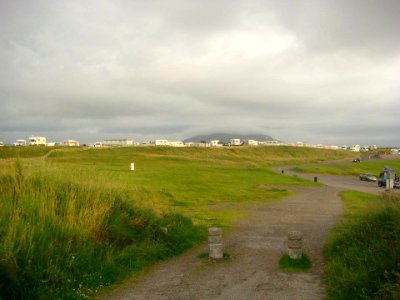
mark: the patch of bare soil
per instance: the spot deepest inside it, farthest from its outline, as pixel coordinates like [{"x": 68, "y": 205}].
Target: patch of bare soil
[{"x": 255, "y": 246}]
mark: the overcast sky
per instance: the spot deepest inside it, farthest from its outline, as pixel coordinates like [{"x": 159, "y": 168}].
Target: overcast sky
[{"x": 314, "y": 71}]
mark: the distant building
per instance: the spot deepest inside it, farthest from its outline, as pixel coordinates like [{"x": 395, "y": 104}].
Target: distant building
[
  {"x": 235, "y": 142},
  {"x": 215, "y": 143},
  {"x": 20, "y": 143},
  {"x": 118, "y": 143},
  {"x": 161, "y": 142},
  {"x": 70, "y": 143},
  {"x": 332, "y": 147},
  {"x": 1, "y": 144},
  {"x": 355, "y": 148},
  {"x": 271, "y": 143},
  {"x": 176, "y": 144},
  {"x": 252, "y": 143},
  {"x": 37, "y": 141}
]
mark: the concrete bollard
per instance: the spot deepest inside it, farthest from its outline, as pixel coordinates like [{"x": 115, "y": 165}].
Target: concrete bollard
[
  {"x": 215, "y": 243},
  {"x": 295, "y": 244}
]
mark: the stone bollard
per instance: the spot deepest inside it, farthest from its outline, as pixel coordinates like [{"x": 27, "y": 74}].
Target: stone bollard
[
  {"x": 283, "y": 171},
  {"x": 215, "y": 243},
  {"x": 315, "y": 179},
  {"x": 295, "y": 244}
]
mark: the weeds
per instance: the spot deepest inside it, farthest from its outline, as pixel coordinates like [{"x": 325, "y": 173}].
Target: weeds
[
  {"x": 362, "y": 253},
  {"x": 62, "y": 239},
  {"x": 288, "y": 264}
]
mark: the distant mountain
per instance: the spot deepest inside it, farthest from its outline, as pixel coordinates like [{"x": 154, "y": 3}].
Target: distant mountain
[{"x": 225, "y": 137}]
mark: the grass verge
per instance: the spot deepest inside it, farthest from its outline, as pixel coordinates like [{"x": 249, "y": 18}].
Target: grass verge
[
  {"x": 362, "y": 253},
  {"x": 61, "y": 239},
  {"x": 288, "y": 264}
]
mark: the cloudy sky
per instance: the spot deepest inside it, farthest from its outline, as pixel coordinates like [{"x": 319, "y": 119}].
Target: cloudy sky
[{"x": 314, "y": 71}]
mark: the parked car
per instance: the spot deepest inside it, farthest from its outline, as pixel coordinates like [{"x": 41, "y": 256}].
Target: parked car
[
  {"x": 356, "y": 160},
  {"x": 367, "y": 177},
  {"x": 387, "y": 172}
]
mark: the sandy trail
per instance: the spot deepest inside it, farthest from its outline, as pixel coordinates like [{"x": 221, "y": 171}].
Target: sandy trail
[{"x": 255, "y": 246}]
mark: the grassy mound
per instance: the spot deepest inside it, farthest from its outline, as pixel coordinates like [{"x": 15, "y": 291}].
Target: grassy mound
[
  {"x": 288, "y": 264},
  {"x": 64, "y": 236},
  {"x": 363, "y": 253}
]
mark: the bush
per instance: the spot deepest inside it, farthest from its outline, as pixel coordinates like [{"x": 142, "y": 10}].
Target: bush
[
  {"x": 363, "y": 255},
  {"x": 63, "y": 236}
]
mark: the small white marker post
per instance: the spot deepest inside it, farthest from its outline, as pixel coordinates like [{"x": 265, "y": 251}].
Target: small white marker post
[{"x": 132, "y": 166}]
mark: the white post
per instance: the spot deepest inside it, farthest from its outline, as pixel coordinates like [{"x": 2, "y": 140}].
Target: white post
[{"x": 132, "y": 166}]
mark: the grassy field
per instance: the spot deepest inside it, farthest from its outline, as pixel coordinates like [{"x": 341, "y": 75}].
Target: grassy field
[
  {"x": 79, "y": 219},
  {"x": 373, "y": 167},
  {"x": 206, "y": 184},
  {"x": 362, "y": 253}
]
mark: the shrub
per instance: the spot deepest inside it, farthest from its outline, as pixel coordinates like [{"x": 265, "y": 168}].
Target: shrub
[
  {"x": 363, "y": 254},
  {"x": 66, "y": 236}
]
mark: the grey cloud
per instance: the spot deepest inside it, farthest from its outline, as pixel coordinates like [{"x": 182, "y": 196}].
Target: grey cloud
[
  {"x": 179, "y": 68},
  {"x": 331, "y": 25}
]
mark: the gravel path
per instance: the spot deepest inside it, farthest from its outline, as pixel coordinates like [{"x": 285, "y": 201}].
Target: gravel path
[{"x": 255, "y": 246}]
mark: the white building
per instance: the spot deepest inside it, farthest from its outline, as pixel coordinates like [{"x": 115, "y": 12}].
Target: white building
[
  {"x": 37, "y": 141},
  {"x": 252, "y": 143},
  {"x": 20, "y": 143},
  {"x": 118, "y": 143},
  {"x": 161, "y": 142},
  {"x": 215, "y": 143},
  {"x": 355, "y": 148},
  {"x": 70, "y": 143},
  {"x": 235, "y": 142},
  {"x": 176, "y": 144},
  {"x": 1, "y": 144},
  {"x": 394, "y": 151}
]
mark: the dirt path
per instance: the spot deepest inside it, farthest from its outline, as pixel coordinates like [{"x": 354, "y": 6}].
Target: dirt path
[{"x": 255, "y": 246}]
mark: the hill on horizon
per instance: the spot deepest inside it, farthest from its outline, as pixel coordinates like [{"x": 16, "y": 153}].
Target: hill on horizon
[{"x": 225, "y": 137}]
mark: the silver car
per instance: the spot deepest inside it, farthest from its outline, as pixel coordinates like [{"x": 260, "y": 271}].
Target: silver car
[{"x": 368, "y": 177}]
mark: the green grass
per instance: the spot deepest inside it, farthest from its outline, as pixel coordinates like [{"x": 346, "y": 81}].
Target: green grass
[
  {"x": 355, "y": 202},
  {"x": 362, "y": 253},
  {"x": 350, "y": 169},
  {"x": 288, "y": 264},
  {"x": 61, "y": 239},
  {"x": 209, "y": 185},
  {"x": 77, "y": 220},
  {"x": 31, "y": 151}
]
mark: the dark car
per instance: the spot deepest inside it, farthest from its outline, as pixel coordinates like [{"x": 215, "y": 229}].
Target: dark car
[
  {"x": 367, "y": 177},
  {"x": 356, "y": 160}
]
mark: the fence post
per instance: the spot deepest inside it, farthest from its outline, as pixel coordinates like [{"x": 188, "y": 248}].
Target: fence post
[
  {"x": 215, "y": 243},
  {"x": 295, "y": 244}
]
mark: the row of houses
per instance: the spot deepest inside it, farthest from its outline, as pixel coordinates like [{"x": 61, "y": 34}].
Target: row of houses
[
  {"x": 354, "y": 148},
  {"x": 42, "y": 141}
]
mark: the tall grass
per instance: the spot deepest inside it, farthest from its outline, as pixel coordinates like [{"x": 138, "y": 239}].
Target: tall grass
[
  {"x": 66, "y": 236},
  {"x": 372, "y": 166},
  {"x": 28, "y": 151},
  {"x": 66, "y": 233},
  {"x": 362, "y": 254}
]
